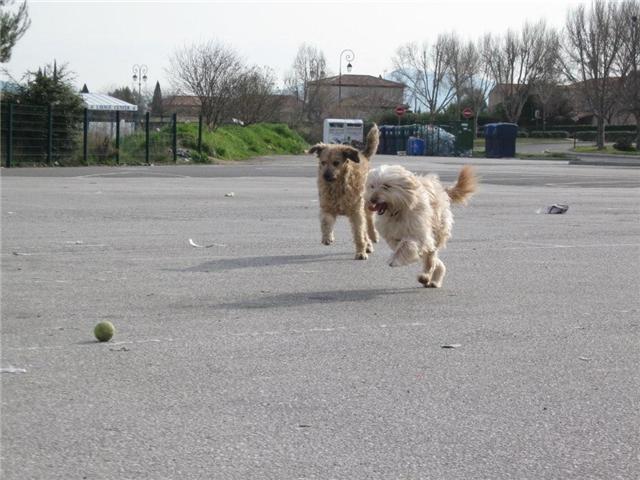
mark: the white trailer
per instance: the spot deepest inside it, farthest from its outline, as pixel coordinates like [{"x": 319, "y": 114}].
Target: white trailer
[{"x": 343, "y": 130}]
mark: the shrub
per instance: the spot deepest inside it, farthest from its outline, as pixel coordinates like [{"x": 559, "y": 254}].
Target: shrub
[
  {"x": 625, "y": 144},
  {"x": 199, "y": 157}
]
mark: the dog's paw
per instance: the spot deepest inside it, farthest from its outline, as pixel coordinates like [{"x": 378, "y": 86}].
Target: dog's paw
[
  {"x": 369, "y": 248},
  {"x": 328, "y": 241},
  {"x": 361, "y": 256},
  {"x": 426, "y": 281},
  {"x": 394, "y": 262}
]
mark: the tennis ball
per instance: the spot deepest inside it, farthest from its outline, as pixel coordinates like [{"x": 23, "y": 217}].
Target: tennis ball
[{"x": 104, "y": 331}]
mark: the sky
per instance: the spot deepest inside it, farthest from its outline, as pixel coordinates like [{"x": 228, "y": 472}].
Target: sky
[{"x": 102, "y": 41}]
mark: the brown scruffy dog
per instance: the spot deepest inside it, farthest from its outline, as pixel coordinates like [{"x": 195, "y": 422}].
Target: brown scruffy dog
[
  {"x": 414, "y": 215},
  {"x": 342, "y": 172}
]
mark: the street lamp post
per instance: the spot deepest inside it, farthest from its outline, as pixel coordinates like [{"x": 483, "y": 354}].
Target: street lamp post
[
  {"x": 634, "y": 60},
  {"x": 349, "y": 58},
  {"x": 139, "y": 75}
]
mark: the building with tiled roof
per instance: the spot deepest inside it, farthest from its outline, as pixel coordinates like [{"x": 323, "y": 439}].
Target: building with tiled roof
[{"x": 358, "y": 96}]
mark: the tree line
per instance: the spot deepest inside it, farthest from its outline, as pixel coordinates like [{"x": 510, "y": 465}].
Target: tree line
[
  {"x": 592, "y": 61},
  {"x": 593, "y": 58}
]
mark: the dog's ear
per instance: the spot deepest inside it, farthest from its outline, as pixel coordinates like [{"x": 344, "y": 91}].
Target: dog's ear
[
  {"x": 317, "y": 148},
  {"x": 351, "y": 153}
]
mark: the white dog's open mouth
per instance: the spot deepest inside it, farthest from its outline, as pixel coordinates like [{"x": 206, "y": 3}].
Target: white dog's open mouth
[{"x": 380, "y": 208}]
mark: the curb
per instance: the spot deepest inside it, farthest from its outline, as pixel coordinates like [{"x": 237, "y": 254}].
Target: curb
[{"x": 604, "y": 163}]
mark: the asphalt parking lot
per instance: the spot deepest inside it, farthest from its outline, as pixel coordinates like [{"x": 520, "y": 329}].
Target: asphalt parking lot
[{"x": 269, "y": 355}]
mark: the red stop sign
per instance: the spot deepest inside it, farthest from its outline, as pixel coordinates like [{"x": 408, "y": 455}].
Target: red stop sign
[
  {"x": 467, "y": 113},
  {"x": 400, "y": 110}
]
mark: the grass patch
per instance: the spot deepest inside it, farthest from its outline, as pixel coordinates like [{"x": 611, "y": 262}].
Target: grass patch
[
  {"x": 545, "y": 156},
  {"x": 240, "y": 143},
  {"x": 608, "y": 150}
]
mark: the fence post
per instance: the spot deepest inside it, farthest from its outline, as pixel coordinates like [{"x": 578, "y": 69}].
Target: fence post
[
  {"x": 85, "y": 137},
  {"x": 117, "y": 137},
  {"x": 50, "y": 135},
  {"x": 10, "y": 138},
  {"x": 200, "y": 133},
  {"x": 174, "y": 146},
  {"x": 146, "y": 138}
]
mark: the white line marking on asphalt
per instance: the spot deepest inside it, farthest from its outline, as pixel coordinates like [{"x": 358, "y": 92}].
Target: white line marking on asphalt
[{"x": 321, "y": 330}]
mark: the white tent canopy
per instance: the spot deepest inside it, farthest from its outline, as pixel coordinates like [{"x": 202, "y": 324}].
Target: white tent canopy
[{"x": 99, "y": 101}]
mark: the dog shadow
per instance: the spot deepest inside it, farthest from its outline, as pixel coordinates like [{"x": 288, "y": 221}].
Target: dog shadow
[
  {"x": 299, "y": 299},
  {"x": 223, "y": 264}
]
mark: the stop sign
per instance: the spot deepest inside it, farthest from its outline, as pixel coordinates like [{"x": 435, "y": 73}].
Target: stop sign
[
  {"x": 467, "y": 113},
  {"x": 400, "y": 110}
]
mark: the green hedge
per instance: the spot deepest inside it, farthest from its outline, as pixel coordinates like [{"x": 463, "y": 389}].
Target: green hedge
[
  {"x": 549, "y": 134},
  {"x": 590, "y": 136},
  {"x": 589, "y": 128}
]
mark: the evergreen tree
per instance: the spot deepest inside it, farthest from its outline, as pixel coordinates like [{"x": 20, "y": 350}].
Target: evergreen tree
[
  {"x": 125, "y": 94},
  {"x": 13, "y": 25},
  {"x": 156, "y": 103},
  {"x": 52, "y": 86}
]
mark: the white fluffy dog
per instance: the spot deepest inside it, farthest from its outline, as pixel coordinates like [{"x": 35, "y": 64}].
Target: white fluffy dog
[{"x": 414, "y": 215}]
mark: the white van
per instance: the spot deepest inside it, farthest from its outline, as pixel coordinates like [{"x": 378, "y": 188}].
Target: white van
[{"x": 343, "y": 130}]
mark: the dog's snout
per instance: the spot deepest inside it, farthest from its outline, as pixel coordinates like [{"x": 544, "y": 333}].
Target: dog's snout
[{"x": 328, "y": 176}]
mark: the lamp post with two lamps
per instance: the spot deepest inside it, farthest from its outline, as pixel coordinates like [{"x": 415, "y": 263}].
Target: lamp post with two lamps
[
  {"x": 634, "y": 67},
  {"x": 349, "y": 58},
  {"x": 140, "y": 75}
]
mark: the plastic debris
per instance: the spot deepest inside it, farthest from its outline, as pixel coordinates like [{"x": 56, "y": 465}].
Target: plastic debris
[
  {"x": 197, "y": 245},
  {"x": 230, "y": 194},
  {"x": 12, "y": 369},
  {"x": 439, "y": 141},
  {"x": 556, "y": 208},
  {"x": 451, "y": 345}
]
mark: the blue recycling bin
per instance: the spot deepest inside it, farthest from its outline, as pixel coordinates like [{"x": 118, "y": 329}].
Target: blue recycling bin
[
  {"x": 500, "y": 140},
  {"x": 415, "y": 146}
]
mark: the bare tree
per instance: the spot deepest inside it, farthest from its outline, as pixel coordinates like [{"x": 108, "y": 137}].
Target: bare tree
[
  {"x": 210, "y": 72},
  {"x": 629, "y": 60},
  {"x": 13, "y": 25},
  {"x": 591, "y": 44},
  {"x": 460, "y": 60},
  {"x": 255, "y": 99},
  {"x": 309, "y": 67},
  {"x": 423, "y": 69},
  {"x": 546, "y": 87},
  {"x": 480, "y": 81},
  {"x": 516, "y": 61}
]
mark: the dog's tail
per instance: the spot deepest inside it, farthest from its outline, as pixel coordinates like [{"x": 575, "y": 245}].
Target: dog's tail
[
  {"x": 373, "y": 139},
  {"x": 465, "y": 186}
]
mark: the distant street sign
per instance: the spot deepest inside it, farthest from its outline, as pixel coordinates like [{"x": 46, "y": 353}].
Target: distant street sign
[
  {"x": 467, "y": 113},
  {"x": 400, "y": 110}
]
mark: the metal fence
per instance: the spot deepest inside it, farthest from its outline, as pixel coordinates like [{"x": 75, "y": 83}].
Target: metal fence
[{"x": 46, "y": 135}]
